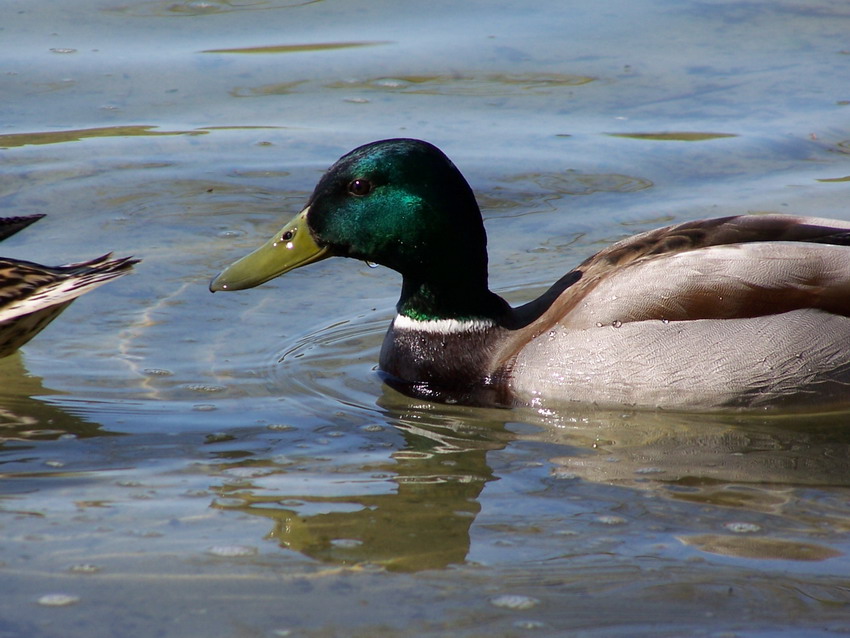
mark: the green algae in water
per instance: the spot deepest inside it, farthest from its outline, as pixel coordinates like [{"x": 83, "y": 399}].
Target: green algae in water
[{"x": 680, "y": 136}]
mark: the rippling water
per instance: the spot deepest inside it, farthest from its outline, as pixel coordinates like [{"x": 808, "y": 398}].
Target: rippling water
[{"x": 176, "y": 463}]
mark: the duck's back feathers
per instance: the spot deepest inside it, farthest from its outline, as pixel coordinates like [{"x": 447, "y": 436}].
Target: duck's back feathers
[
  {"x": 720, "y": 268},
  {"x": 740, "y": 229},
  {"x": 27, "y": 287},
  {"x": 718, "y": 282},
  {"x": 32, "y": 295}
]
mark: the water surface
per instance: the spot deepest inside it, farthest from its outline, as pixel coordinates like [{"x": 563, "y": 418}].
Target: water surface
[{"x": 176, "y": 463}]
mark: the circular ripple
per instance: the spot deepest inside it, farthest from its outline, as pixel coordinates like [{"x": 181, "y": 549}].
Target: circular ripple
[{"x": 336, "y": 362}]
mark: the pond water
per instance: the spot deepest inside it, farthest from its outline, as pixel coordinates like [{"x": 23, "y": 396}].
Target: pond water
[{"x": 175, "y": 463}]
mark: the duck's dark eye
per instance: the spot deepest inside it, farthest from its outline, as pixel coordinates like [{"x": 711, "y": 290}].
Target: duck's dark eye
[{"x": 360, "y": 187}]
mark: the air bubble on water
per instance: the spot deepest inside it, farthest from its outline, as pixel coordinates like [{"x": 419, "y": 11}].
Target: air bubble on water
[
  {"x": 346, "y": 543},
  {"x": 391, "y": 83},
  {"x": 204, "y": 407},
  {"x": 232, "y": 551},
  {"x": 158, "y": 372},
  {"x": 610, "y": 520},
  {"x": 742, "y": 528},
  {"x": 514, "y": 601},
  {"x": 84, "y": 568},
  {"x": 205, "y": 387},
  {"x": 58, "y": 600},
  {"x": 281, "y": 427},
  {"x": 529, "y": 624}
]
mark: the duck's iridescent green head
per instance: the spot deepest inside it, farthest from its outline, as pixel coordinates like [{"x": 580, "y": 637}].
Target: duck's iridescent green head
[{"x": 400, "y": 203}]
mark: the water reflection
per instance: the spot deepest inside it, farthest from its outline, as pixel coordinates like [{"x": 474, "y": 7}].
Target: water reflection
[
  {"x": 459, "y": 84},
  {"x": 25, "y": 417},
  {"x": 766, "y": 471},
  {"x": 414, "y": 508},
  {"x": 406, "y": 511},
  {"x": 695, "y": 453},
  {"x": 675, "y": 136},
  {"x": 194, "y": 8},
  {"x": 13, "y": 140},
  {"x": 296, "y": 48}
]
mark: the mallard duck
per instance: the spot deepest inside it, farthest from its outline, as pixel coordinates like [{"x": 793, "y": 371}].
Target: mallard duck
[
  {"x": 31, "y": 295},
  {"x": 745, "y": 311}
]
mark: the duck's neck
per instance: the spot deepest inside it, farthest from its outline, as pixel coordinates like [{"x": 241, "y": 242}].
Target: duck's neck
[
  {"x": 460, "y": 300},
  {"x": 443, "y": 345}
]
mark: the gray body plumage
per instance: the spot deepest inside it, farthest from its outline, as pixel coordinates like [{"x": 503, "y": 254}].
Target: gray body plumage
[{"x": 795, "y": 359}]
